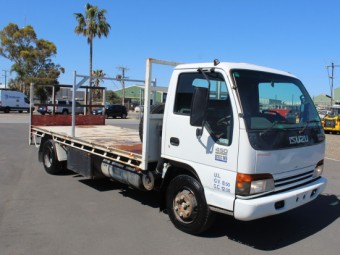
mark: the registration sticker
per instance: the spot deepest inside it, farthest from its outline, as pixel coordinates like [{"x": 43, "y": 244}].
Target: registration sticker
[{"x": 221, "y": 154}]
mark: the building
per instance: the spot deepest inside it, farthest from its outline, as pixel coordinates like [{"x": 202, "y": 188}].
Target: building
[
  {"x": 322, "y": 101},
  {"x": 134, "y": 95}
]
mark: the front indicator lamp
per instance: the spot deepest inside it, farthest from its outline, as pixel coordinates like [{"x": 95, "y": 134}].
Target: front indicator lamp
[{"x": 251, "y": 184}]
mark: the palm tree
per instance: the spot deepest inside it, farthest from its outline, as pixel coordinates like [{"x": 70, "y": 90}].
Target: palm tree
[
  {"x": 91, "y": 25},
  {"x": 98, "y": 75}
]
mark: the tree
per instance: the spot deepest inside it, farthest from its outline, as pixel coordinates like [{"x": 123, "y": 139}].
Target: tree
[
  {"x": 98, "y": 74},
  {"x": 112, "y": 97},
  {"x": 91, "y": 25},
  {"x": 32, "y": 58}
]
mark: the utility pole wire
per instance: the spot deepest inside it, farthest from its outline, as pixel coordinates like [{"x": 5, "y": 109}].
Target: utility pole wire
[
  {"x": 5, "y": 71},
  {"x": 331, "y": 79}
]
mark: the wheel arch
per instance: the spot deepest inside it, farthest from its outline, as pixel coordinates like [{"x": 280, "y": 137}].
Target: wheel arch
[
  {"x": 44, "y": 139},
  {"x": 60, "y": 152},
  {"x": 175, "y": 169}
]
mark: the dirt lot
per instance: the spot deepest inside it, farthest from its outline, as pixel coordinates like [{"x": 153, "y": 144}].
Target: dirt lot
[{"x": 333, "y": 146}]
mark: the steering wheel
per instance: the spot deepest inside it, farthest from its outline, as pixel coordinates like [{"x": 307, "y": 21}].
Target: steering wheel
[
  {"x": 224, "y": 121},
  {"x": 272, "y": 112}
]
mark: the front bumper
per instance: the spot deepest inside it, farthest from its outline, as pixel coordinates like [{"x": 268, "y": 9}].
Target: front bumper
[{"x": 256, "y": 208}]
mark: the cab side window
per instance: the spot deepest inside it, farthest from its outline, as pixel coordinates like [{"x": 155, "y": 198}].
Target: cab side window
[{"x": 219, "y": 120}]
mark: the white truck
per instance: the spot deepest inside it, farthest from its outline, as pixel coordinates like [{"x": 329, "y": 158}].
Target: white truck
[
  {"x": 221, "y": 145},
  {"x": 64, "y": 106},
  {"x": 13, "y": 101}
]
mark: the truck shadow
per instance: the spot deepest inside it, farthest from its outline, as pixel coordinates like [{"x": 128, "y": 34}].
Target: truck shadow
[
  {"x": 278, "y": 231},
  {"x": 148, "y": 198},
  {"x": 271, "y": 233}
]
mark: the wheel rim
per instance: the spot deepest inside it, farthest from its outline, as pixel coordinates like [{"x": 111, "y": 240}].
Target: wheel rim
[
  {"x": 48, "y": 158},
  {"x": 185, "y": 206}
]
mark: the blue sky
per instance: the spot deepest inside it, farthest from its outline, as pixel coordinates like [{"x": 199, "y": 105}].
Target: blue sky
[{"x": 298, "y": 36}]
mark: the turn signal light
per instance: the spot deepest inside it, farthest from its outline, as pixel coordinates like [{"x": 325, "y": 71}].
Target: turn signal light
[{"x": 250, "y": 184}]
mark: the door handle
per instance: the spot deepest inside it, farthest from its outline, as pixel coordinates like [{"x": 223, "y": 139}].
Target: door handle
[{"x": 174, "y": 141}]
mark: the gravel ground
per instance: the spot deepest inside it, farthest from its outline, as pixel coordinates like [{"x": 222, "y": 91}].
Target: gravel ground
[{"x": 333, "y": 146}]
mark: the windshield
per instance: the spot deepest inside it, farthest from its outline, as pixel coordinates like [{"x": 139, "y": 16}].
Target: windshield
[
  {"x": 335, "y": 111},
  {"x": 277, "y": 110}
]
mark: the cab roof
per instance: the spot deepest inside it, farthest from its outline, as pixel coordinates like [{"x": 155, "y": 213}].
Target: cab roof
[{"x": 227, "y": 66}]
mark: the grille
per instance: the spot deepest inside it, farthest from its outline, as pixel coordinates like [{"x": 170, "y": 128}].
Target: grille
[
  {"x": 294, "y": 180},
  {"x": 330, "y": 123}
]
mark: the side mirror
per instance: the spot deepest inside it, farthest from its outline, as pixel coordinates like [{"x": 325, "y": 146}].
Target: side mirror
[{"x": 199, "y": 105}]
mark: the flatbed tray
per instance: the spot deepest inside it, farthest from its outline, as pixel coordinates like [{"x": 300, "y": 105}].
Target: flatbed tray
[{"x": 119, "y": 144}]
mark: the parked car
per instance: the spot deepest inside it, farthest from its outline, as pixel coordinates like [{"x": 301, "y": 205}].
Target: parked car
[
  {"x": 65, "y": 107},
  {"x": 42, "y": 109},
  {"x": 97, "y": 111},
  {"x": 323, "y": 113},
  {"x": 112, "y": 110},
  {"x": 139, "y": 108}
]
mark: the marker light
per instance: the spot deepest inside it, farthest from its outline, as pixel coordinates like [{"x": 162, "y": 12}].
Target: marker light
[
  {"x": 250, "y": 184},
  {"x": 318, "y": 169}
]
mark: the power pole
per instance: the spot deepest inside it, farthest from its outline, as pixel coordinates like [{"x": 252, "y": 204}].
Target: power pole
[
  {"x": 332, "y": 79},
  {"x": 122, "y": 76},
  {"x": 5, "y": 71}
]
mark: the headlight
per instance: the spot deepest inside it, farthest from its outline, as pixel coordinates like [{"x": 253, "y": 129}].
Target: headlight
[
  {"x": 250, "y": 184},
  {"x": 318, "y": 169}
]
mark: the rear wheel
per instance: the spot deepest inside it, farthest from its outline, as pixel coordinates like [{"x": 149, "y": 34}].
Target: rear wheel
[
  {"x": 50, "y": 160},
  {"x": 20, "y": 111},
  {"x": 186, "y": 205},
  {"x": 123, "y": 116},
  {"x": 7, "y": 109},
  {"x": 65, "y": 112}
]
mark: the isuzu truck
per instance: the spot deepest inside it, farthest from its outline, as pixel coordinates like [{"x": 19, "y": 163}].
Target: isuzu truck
[{"x": 220, "y": 144}]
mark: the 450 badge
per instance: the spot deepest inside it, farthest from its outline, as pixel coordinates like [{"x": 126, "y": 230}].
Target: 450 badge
[{"x": 221, "y": 154}]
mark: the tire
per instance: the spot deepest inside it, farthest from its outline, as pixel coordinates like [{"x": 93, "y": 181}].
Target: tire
[
  {"x": 7, "y": 109},
  {"x": 50, "y": 161},
  {"x": 186, "y": 205},
  {"x": 20, "y": 111},
  {"x": 158, "y": 108},
  {"x": 65, "y": 112},
  {"x": 123, "y": 116}
]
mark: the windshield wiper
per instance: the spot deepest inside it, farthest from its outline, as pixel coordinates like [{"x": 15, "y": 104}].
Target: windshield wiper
[
  {"x": 307, "y": 124},
  {"x": 271, "y": 127}
]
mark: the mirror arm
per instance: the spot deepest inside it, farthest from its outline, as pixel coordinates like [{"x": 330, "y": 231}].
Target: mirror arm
[{"x": 199, "y": 131}]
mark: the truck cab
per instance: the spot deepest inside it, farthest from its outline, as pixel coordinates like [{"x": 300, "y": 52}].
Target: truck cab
[{"x": 251, "y": 161}]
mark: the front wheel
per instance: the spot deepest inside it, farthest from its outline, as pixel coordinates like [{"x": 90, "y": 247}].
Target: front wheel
[
  {"x": 50, "y": 161},
  {"x": 186, "y": 205}
]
